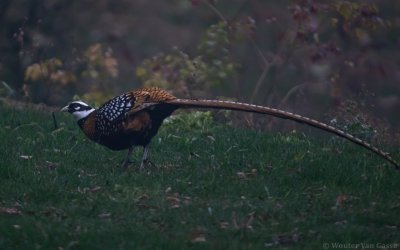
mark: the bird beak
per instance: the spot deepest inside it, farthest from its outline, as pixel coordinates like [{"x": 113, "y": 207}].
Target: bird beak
[{"x": 65, "y": 109}]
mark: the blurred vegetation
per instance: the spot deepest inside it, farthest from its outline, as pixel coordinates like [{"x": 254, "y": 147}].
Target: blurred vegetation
[{"x": 308, "y": 57}]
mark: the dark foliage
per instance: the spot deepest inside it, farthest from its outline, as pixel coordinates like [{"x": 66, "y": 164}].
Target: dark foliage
[{"x": 304, "y": 56}]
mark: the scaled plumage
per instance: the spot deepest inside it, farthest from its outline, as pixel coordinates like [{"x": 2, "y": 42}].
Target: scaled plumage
[{"x": 133, "y": 119}]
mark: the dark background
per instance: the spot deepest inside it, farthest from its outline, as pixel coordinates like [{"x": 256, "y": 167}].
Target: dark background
[{"x": 324, "y": 59}]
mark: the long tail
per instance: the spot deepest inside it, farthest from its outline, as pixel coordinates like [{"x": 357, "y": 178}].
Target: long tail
[{"x": 216, "y": 104}]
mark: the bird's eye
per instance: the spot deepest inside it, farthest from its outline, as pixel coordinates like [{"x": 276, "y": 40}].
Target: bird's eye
[{"x": 77, "y": 107}]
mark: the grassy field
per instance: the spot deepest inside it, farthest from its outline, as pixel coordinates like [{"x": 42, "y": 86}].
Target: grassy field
[{"x": 211, "y": 186}]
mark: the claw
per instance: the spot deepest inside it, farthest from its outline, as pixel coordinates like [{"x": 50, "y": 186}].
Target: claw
[
  {"x": 145, "y": 158},
  {"x": 127, "y": 160}
]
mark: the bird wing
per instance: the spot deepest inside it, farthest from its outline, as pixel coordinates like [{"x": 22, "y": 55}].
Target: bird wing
[
  {"x": 146, "y": 98},
  {"x": 117, "y": 108},
  {"x": 153, "y": 94},
  {"x": 132, "y": 102}
]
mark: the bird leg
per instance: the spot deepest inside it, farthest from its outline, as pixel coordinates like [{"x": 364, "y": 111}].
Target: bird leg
[
  {"x": 127, "y": 159},
  {"x": 145, "y": 158}
]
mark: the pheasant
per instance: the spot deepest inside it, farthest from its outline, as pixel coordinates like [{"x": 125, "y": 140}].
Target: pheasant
[{"x": 133, "y": 119}]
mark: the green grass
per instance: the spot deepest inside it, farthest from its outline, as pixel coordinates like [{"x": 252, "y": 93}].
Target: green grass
[{"x": 213, "y": 186}]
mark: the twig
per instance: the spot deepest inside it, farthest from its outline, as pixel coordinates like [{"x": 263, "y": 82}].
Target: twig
[
  {"x": 284, "y": 100},
  {"x": 289, "y": 93},
  {"x": 9, "y": 89},
  {"x": 258, "y": 50},
  {"x": 54, "y": 120},
  {"x": 216, "y": 11},
  {"x": 260, "y": 81},
  {"x": 254, "y": 45}
]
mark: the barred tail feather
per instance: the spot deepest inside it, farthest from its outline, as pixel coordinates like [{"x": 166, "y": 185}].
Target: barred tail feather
[{"x": 216, "y": 104}]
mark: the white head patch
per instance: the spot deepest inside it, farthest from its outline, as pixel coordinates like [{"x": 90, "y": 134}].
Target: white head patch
[
  {"x": 82, "y": 114},
  {"x": 79, "y": 109}
]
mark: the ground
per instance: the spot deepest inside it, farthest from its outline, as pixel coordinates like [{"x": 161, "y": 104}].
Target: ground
[{"x": 210, "y": 186}]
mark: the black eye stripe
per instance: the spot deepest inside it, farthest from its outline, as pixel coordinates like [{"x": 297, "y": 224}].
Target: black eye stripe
[{"x": 78, "y": 107}]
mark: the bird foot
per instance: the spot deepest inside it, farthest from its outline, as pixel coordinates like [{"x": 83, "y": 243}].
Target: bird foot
[
  {"x": 125, "y": 165},
  {"x": 145, "y": 163}
]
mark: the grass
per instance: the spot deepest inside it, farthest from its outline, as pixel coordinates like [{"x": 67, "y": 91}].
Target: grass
[{"x": 212, "y": 186}]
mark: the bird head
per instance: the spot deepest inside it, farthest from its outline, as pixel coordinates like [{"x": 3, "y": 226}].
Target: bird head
[{"x": 78, "y": 109}]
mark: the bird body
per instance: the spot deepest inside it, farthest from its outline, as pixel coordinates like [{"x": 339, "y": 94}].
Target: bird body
[
  {"x": 118, "y": 125},
  {"x": 133, "y": 119}
]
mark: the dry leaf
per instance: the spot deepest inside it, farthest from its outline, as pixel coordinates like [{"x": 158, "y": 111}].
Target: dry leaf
[
  {"x": 187, "y": 200},
  {"x": 51, "y": 165},
  {"x": 246, "y": 223},
  {"x": 268, "y": 167},
  {"x": 223, "y": 224},
  {"x": 10, "y": 210},
  {"x": 173, "y": 201},
  {"x": 25, "y": 157},
  {"x": 341, "y": 223},
  {"x": 234, "y": 221},
  {"x": 249, "y": 220},
  {"x": 105, "y": 215},
  {"x": 241, "y": 175},
  {"x": 394, "y": 227},
  {"x": 340, "y": 200},
  {"x": 289, "y": 238},
  {"x": 211, "y": 138},
  {"x": 246, "y": 175},
  {"x": 95, "y": 189},
  {"x": 142, "y": 198},
  {"x": 197, "y": 236},
  {"x": 88, "y": 189},
  {"x": 146, "y": 206}
]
